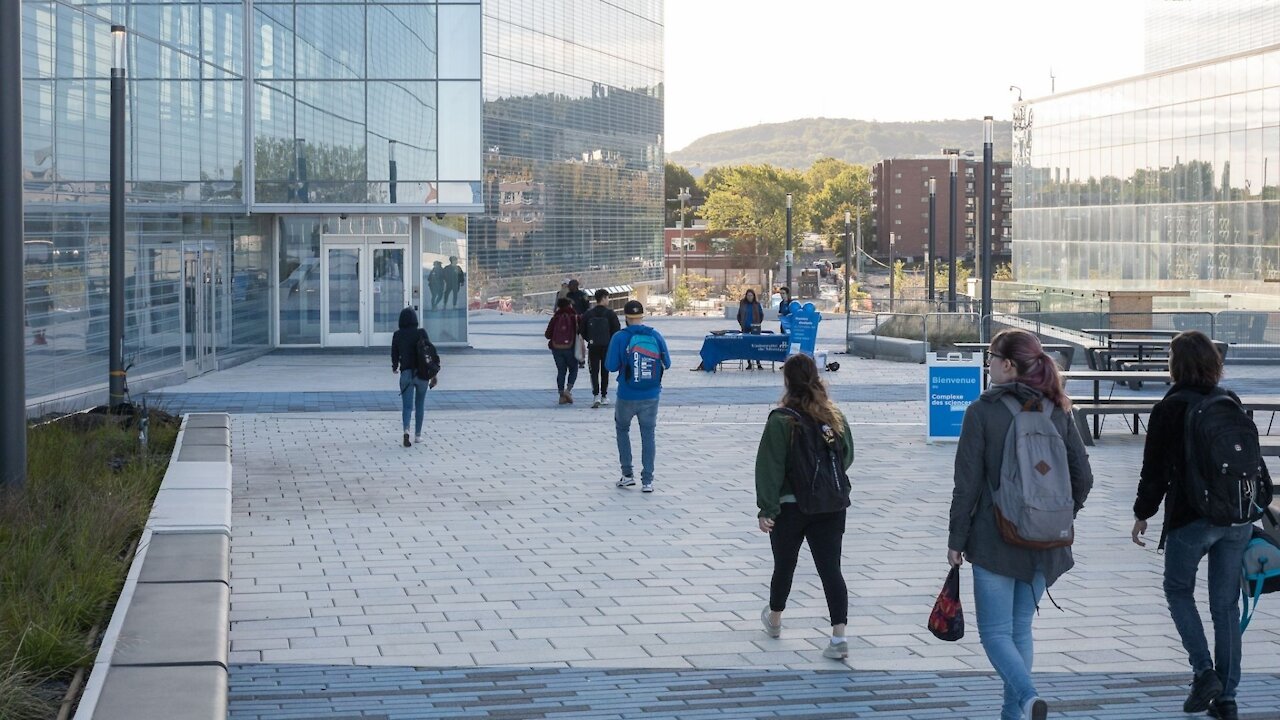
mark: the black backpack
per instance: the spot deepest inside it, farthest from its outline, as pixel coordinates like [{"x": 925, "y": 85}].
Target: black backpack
[
  {"x": 598, "y": 328},
  {"x": 815, "y": 467},
  {"x": 1225, "y": 478},
  {"x": 426, "y": 359}
]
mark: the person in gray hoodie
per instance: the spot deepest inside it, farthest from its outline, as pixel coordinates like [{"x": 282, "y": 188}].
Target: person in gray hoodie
[{"x": 1008, "y": 581}]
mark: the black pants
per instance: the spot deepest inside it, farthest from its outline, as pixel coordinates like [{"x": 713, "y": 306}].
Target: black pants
[
  {"x": 825, "y": 534},
  {"x": 595, "y": 368}
]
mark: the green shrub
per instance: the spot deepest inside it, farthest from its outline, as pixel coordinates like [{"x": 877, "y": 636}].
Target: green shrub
[{"x": 63, "y": 542}]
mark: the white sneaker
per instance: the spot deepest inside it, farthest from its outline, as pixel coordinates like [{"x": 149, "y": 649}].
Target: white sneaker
[
  {"x": 604, "y": 401},
  {"x": 836, "y": 651},
  {"x": 626, "y": 481},
  {"x": 595, "y": 401},
  {"x": 417, "y": 439}
]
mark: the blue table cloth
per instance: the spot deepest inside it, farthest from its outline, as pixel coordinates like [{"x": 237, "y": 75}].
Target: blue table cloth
[{"x": 738, "y": 346}]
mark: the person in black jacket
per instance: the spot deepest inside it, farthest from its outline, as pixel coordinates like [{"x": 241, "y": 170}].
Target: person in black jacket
[
  {"x": 1196, "y": 368},
  {"x": 404, "y": 360},
  {"x": 599, "y": 324},
  {"x": 750, "y": 316}
]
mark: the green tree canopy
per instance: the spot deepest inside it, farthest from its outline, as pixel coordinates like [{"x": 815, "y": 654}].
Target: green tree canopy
[
  {"x": 751, "y": 201},
  {"x": 848, "y": 189},
  {"x": 676, "y": 177}
]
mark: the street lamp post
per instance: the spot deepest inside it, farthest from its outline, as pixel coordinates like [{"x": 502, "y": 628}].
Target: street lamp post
[
  {"x": 951, "y": 239},
  {"x": 115, "y": 315},
  {"x": 985, "y": 226},
  {"x": 13, "y": 412},
  {"x": 391, "y": 168},
  {"x": 790, "y": 254},
  {"x": 930, "y": 279},
  {"x": 893, "y": 270},
  {"x": 684, "y": 198},
  {"x": 848, "y": 267},
  {"x": 857, "y": 255}
]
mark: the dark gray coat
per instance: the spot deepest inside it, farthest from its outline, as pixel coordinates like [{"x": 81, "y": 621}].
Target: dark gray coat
[{"x": 978, "y": 458}]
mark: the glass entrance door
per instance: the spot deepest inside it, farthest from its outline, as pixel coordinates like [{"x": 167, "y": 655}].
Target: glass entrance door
[
  {"x": 342, "y": 299},
  {"x": 365, "y": 286},
  {"x": 204, "y": 306}
]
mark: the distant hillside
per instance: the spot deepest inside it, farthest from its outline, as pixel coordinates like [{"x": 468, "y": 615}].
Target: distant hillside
[{"x": 798, "y": 143}]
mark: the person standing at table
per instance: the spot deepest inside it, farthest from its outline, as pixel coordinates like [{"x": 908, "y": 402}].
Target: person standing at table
[
  {"x": 599, "y": 325},
  {"x": 640, "y": 357},
  {"x": 750, "y": 317},
  {"x": 784, "y": 307}
]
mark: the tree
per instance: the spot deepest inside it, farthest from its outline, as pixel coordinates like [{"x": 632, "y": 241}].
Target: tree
[
  {"x": 751, "y": 201},
  {"x": 676, "y": 177},
  {"x": 848, "y": 189}
]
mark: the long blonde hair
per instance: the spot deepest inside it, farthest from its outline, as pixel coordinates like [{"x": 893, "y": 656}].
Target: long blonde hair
[{"x": 806, "y": 393}]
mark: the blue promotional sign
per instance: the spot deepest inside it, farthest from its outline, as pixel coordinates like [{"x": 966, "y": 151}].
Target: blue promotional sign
[
  {"x": 954, "y": 383},
  {"x": 803, "y": 328}
]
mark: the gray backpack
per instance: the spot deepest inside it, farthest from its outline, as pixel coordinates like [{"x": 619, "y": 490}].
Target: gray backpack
[{"x": 1033, "y": 504}]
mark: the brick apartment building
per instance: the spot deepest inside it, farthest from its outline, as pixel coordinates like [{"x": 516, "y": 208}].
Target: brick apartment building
[
  {"x": 724, "y": 259},
  {"x": 900, "y": 193}
]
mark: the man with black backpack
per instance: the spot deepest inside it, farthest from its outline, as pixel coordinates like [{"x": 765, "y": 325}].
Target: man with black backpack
[
  {"x": 1203, "y": 460},
  {"x": 639, "y": 355},
  {"x": 599, "y": 324}
]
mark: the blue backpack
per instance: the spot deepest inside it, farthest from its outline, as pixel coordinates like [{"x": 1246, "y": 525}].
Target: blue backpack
[
  {"x": 1261, "y": 566},
  {"x": 643, "y": 368}
]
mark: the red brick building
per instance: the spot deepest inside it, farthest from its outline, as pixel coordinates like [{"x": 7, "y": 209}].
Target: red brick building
[
  {"x": 718, "y": 256},
  {"x": 900, "y": 196}
]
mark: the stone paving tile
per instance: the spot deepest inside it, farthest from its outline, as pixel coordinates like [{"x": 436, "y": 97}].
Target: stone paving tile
[
  {"x": 500, "y": 545},
  {"x": 270, "y": 692}
]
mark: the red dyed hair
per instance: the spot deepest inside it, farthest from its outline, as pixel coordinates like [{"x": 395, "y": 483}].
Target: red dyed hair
[{"x": 1034, "y": 366}]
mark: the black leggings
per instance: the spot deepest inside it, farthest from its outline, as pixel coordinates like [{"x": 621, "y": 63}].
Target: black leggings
[
  {"x": 825, "y": 533},
  {"x": 599, "y": 376}
]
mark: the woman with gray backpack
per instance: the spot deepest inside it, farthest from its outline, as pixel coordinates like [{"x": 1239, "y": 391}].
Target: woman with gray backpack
[
  {"x": 802, "y": 491},
  {"x": 1203, "y": 461},
  {"x": 1021, "y": 475}
]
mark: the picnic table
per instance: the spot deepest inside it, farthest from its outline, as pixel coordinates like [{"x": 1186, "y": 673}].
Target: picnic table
[{"x": 1098, "y": 408}]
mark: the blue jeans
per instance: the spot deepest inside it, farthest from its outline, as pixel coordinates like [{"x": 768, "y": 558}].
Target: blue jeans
[
  {"x": 1005, "y": 609},
  {"x": 413, "y": 398},
  {"x": 646, "y": 412},
  {"x": 566, "y": 363},
  {"x": 1183, "y": 550}
]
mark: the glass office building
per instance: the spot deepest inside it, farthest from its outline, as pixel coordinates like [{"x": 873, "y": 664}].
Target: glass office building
[
  {"x": 1183, "y": 32},
  {"x": 1170, "y": 180},
  {"x": 300, "y": 171},
  {"x": 573, "y": 169}
]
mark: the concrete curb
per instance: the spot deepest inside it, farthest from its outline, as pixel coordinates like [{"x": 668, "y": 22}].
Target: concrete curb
[
  {"x": 884, "y": 347},
  {"x": 164, "y": 654}
]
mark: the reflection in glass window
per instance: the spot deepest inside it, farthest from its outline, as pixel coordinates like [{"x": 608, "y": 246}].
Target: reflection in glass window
[
  {"x": 460, "y": 48},
  {"x": 461, "y": 130}
]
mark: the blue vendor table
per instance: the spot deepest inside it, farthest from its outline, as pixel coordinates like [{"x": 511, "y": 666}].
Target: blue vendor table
[{"x": 739, "y": 346}]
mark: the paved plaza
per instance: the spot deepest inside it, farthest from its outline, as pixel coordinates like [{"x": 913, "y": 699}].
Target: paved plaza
[{"x": 494, "y": 571}]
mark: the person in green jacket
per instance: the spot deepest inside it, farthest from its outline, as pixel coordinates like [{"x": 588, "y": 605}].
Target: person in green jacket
[{"x": 780, "y": 517}]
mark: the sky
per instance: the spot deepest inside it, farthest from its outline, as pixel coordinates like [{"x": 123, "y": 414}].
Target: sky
[{"x": 737, "y": 63}]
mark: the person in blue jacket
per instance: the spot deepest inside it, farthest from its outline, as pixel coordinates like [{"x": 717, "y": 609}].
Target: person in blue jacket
[
  {"x": 750, "y": 317},
  {"x": 639, "y": 355}
]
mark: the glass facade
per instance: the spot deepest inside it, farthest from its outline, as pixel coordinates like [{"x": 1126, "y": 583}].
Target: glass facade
[
  {"x": 1165, "y": 181},
  {"x": 1183, "y": 33},
  {"x": 573, "y": 165},
  {"x": 361, "y": 103}
]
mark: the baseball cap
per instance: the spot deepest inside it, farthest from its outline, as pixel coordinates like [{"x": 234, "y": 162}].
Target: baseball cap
[{"x": 633, "y": 309}]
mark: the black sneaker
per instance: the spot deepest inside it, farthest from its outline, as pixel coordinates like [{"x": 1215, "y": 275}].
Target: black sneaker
[
  {"x": 1224, "y": 710},
  {"x": 406, "y": 440},
  {"x": 1204, "y": 689}
]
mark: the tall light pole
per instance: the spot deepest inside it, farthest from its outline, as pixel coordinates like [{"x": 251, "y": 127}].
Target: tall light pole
[
  {"x": 985, "y": 227},
  {"x": 951, "y": 239},
  {"x": 115, "y": 315},
  {"x": 13, "y": 412},
  {"x": 893, "y": 270},
  {"x": 790, "y": 256},
  {"x": 848, "y": 266},
  {"x": 857, "y": 257},
  {"x": 391, "y": 168},
  {"x": 684, "y": 198},
  {"x": 930, "y": 279}
]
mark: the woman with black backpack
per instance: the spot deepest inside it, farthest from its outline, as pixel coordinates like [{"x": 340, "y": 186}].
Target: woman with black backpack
[
  {"x": 802, "y": 492},
  {"x": 407, "y": 354},
  {"x": 1012, "y": 566},
  {"x": 1195, "y": 527}
]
